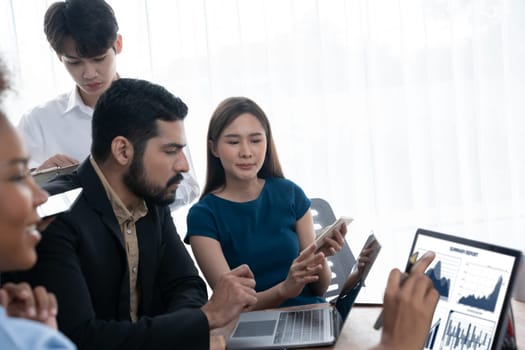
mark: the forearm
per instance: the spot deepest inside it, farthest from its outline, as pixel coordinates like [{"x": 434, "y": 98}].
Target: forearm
[
  {"x": 278, "y": 294},
  {"x": 187, "y": 328},
  {"x": 272, "y": 297},
  {"x": 217, "y": 342}
]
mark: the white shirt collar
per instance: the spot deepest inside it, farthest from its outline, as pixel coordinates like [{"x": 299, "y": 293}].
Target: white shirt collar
[{"x": 75, "y": 101}]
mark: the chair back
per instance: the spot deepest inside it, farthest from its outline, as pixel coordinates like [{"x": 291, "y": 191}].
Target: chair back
[{"x": 341, "y": 264}]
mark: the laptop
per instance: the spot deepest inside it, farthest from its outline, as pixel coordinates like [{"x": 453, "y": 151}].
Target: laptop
[
  {"x": 475, "y": 281},
  {"x": 318, "y": 325}
]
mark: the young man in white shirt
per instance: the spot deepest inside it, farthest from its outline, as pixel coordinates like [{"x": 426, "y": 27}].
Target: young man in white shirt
[{"x": 84, "y": 35}]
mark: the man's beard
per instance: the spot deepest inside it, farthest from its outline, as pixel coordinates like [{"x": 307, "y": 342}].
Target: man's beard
[{"x": 138, "y": 183}]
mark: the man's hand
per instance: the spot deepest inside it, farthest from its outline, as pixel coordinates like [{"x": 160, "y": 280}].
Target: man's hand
[
  {"x": 362, "y": 260},
  {"x": 36, "y": 304},
  {"x": 58, "y": 160},
  {"x": 359, "y": 268},
  {"x": 408, "y": 307},
  {"x": 233, "y": 293}
]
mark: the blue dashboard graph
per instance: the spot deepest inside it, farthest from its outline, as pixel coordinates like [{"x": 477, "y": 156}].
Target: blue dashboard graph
[
  {"x": 431, "y": 339},
  {"x": 488, "y": 302},
  {"x": 442, "y": 284},
  {"x": 466, "y": 332}
]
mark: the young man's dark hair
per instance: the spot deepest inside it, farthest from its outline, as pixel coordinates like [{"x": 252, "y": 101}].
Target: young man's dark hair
[
  {"x": 91, "y": 24},
  {"x": 144, "y": 103}
]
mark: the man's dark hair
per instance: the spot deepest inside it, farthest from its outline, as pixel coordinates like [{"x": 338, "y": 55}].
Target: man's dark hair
[
  {"x": 131, "y": 108},
  {"x": 90, "y": 23}
]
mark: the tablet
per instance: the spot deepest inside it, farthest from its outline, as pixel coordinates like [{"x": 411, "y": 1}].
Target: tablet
[
  {"x": 58, "y": 203},
  {"x": 46, "y": 175},
  {"x": 372, "y": 243},
  {"x": 474, "y": 280}
]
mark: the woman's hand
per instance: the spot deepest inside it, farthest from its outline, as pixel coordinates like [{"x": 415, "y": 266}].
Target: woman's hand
[
  {"x": 305, "y": 269},
  {"x": 36, "y": 304},
  {"x": 332, "y": 245}
]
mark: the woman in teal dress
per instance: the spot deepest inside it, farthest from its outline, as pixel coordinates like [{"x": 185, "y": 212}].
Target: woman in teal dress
[{"x": 250, "y": 214}]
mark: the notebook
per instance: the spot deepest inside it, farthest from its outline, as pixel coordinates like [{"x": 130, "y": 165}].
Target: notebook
[
  {"x": 315, "y": 326},
  {"x": 475, "y": 281}
]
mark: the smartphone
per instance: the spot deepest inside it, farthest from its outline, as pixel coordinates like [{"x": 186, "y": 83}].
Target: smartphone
[
  {"x": 58, "y": 203},
  {"x": 328, "y": 231}
]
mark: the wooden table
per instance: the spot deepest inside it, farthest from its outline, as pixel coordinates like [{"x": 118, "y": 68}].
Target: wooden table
[{"x": 358, "y": 332}]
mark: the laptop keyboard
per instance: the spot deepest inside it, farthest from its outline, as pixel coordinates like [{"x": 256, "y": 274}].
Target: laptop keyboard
[{"x": 299, "y": 326}]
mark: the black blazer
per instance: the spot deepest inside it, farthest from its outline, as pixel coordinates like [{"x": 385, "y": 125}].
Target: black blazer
[{"x": 82, "y": 259}]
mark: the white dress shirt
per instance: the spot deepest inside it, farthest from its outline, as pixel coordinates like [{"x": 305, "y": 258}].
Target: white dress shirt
[{"x": 63, "y": 126}]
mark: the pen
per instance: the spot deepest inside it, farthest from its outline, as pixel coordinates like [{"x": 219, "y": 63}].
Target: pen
[{"x": 411, "y": 261}]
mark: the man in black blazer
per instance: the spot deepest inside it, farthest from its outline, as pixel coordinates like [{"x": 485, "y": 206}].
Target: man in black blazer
[{"x": 122, "y": 277}]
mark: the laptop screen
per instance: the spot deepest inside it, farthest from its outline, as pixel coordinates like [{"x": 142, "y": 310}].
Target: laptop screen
[{"x": 474, "y": 280}]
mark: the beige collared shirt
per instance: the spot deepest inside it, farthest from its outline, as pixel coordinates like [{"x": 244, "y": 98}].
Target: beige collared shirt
[{"x": 126, "y": 219}]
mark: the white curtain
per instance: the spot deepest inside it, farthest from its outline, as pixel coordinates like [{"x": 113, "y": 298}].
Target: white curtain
[{"x": 402, "y": 114}]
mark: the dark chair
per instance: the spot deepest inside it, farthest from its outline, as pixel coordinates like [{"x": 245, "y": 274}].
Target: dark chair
[{"x": 341, "y": 263}]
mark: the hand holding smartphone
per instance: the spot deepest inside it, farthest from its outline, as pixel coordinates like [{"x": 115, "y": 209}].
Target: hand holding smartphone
[
  {"x": 328, "y": 231},
  {"x": 58, "y": 203}
]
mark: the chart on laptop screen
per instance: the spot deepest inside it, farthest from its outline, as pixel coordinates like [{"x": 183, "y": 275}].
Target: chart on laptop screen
[{"x": 472, "y": 283}]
